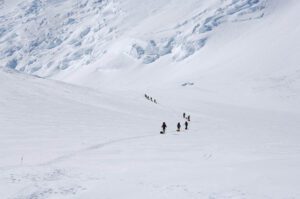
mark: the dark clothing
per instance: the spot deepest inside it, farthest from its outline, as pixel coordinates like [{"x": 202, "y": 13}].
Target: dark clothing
[
  {"x": 178, "y": 126},
  {"x": 186, "y": 125},
  {"x": 164, "y": 126},
  {"x": 189, "y": 118},
  {"x": 183, "y": 115}
]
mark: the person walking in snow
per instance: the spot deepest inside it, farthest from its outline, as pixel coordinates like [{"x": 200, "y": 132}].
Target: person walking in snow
[
  {"x": 155, "y": 101},
  {"x": 146, "y": 96},
  {"x": 178, "y": 126},
  {"x": 164, "y": 126},
  {"x": 189, "y": 118},
  {"x": 186, "y": 125},
  {"x": 183, "y": 115}
]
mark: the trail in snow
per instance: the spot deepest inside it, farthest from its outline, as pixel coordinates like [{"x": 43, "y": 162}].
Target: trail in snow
[
  {"x": 112, "y": 142},
  {"x": 231, "y": 64},
  {"x": 94, "y": 147}
]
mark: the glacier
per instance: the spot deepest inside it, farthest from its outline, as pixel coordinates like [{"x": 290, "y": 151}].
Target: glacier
[{"x": 74, "y": 122}]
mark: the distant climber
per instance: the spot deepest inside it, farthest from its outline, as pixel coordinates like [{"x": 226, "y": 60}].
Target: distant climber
[
  {"x": 164, "y": 126},
  {"x": 183, "y": 115},
  {"x": 186, "y": 125},
  {"x": 147, "y": 96},
  {"x": 155, "y": 101},
  {"x": 178, "y": 126},
  {"x": 189, "y": 118}
]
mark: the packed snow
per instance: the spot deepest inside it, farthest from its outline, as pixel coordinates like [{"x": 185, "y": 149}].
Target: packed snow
[{"x": 75, "y": 123}]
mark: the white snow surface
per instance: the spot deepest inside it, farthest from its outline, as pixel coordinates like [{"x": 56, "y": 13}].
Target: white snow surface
[{"x": 74, "y": 122}]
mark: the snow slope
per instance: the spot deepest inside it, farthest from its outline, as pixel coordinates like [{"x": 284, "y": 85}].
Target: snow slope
[
  {"x": 89, "y": 132},
  {"x": 248, "y": 60},
  {"x": 48, "y": 37},
  {"x": 241, "y": 51},
  {"x": 63, "y": 141}
]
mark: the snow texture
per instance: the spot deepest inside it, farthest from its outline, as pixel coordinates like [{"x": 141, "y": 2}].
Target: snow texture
[{"x": 74, "y": 122}]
